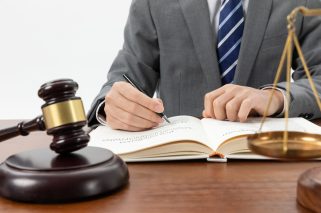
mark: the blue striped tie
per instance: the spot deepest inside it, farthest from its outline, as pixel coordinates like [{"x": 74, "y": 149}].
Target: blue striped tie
[{"x": 230, "y": 31}]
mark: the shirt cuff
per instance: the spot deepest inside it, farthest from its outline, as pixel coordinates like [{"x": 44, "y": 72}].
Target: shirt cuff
[
  {"x": 101, "y": 118},
  {"x": 285, "y": 100}
]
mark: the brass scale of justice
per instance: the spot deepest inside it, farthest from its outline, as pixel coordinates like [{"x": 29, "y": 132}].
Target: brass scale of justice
[
  {"x": 288, "y": 144},
  {"x": 291, "y": 145}
]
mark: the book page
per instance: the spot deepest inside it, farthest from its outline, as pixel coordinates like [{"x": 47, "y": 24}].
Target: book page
[
  {"x": 181, "y": 128},
  {"x": 220, "y": 131}
]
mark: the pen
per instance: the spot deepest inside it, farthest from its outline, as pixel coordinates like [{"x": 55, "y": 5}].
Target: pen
[{"x": 141, "y": 90}]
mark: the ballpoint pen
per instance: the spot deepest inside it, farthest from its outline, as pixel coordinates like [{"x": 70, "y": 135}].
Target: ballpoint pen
[{"x": 141, "y": 90}]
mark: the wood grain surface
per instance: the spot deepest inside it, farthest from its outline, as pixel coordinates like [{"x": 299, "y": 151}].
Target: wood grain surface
[{"x": 187, "y": 186}]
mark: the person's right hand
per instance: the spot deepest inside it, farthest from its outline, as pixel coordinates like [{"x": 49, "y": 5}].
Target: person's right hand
[{"x": 129, "y": 109}]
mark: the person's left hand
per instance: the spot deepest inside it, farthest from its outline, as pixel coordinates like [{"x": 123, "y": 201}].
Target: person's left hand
[{"x": 237, "y": 103}]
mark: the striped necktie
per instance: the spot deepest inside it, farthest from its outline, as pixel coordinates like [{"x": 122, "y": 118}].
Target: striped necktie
[{"x": 230, "y": 31}]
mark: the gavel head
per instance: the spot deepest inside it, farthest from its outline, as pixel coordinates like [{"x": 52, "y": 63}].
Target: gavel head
[{"x": 64, "y": 115}]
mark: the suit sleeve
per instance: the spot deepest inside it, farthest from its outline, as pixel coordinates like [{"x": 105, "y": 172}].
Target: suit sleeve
[
  {"x": 139, "y": 57},
  {"x": 303, "y": 103}
]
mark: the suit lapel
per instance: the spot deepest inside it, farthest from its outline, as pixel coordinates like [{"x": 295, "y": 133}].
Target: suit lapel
[
  {"x": 196, "y": 14},
  {"x": 256, "y": 22}
]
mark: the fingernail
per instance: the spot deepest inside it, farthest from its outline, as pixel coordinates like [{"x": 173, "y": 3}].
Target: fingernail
[{"x": 205, "y": 115}]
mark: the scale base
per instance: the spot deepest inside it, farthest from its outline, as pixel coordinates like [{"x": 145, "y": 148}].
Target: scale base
[
  {"x": 42, "y": 176},
  {"x": 309, "y": 189}
]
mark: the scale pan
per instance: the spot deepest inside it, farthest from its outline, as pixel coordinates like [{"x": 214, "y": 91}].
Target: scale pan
[{"x": 300, "y": 146}]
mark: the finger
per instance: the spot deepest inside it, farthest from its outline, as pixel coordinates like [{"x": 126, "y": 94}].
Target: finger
[
  {"x": 140, "y": 111},
  {"x": 208, "y": 102},
  {"x": 128, "y": 118},
  {"x": 219, "y": 105},
  {"x": 117, "y": 100},
  {"x": 133, "y": 94},
  {"x": 203, "y": 114},
  {"x": 114, "y": 123},
  {"x": 246, "y": 107},
  {"x": 232, "y": 108}
]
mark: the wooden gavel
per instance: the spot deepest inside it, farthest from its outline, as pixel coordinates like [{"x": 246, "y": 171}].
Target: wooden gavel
[{"x": 63, "y": 116}]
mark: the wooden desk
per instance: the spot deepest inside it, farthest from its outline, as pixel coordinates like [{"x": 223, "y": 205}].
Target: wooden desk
[{"x": 189, "y": 186}]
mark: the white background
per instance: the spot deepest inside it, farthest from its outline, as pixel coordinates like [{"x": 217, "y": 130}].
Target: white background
[{"x": 43, "y": 40}]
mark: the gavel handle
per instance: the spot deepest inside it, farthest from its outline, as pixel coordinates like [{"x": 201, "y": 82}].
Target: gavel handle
[{"x": 23, "y": 128}]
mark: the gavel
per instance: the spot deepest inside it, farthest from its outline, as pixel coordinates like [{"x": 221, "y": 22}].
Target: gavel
[
  {"x": 63, "y": 116},
  {"x": 60, "y": 176}
]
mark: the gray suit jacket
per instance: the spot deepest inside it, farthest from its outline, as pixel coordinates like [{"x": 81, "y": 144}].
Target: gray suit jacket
[{"x": 170, "y": 45}]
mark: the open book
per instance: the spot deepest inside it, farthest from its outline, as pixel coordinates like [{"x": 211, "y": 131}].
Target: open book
[{"x": 187, "y": 137}]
